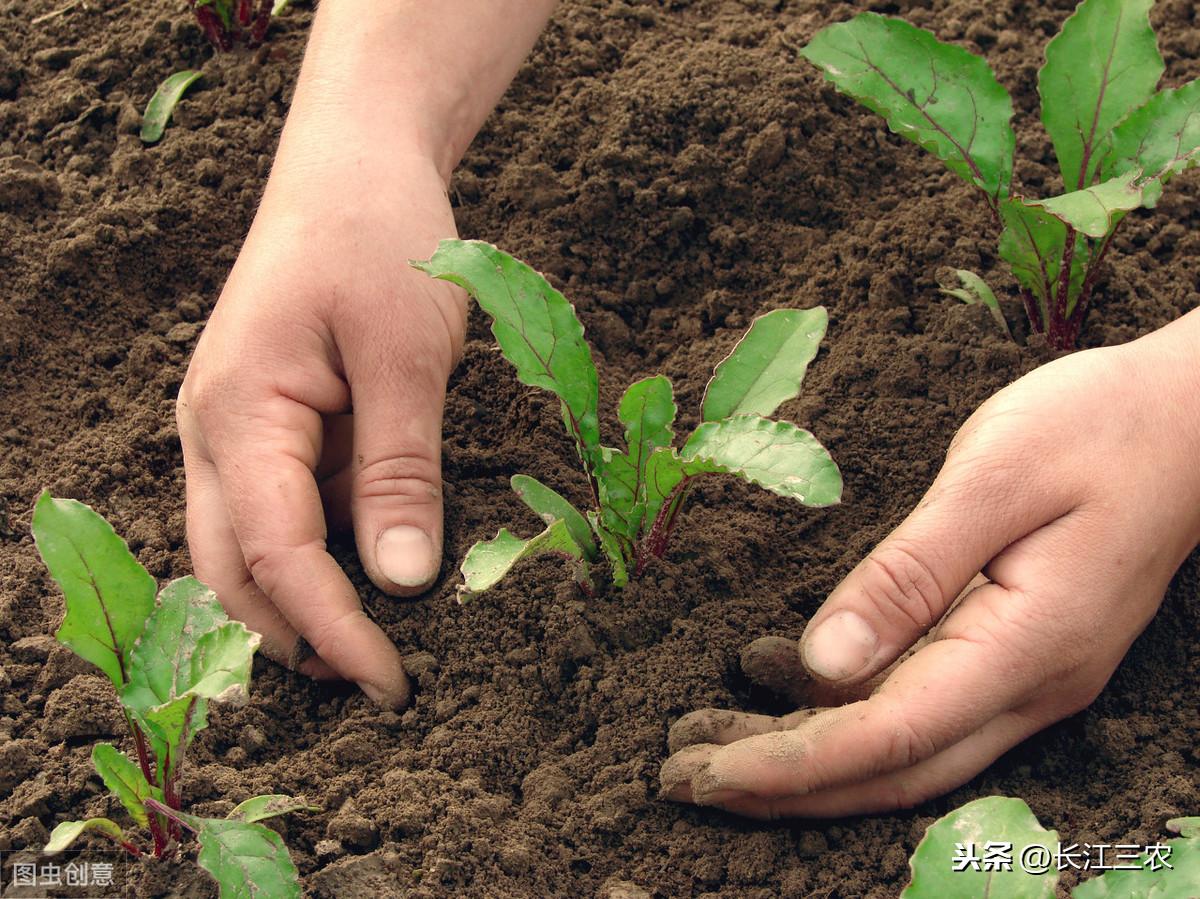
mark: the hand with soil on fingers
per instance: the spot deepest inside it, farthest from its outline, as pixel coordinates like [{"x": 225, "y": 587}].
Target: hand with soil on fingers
[
  {"x": 1076, "y": 492},
  {"x": 314, "y": 398}
]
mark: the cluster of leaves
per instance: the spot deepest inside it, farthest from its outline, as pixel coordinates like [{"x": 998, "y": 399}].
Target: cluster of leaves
[
  {"x": 167, "y": 658},
  {"x": 1010, "y": 821},
  {"x": 637, "y": 492},
  {"x": 228, "y": 22},
  {"x": 1117, "y": 140}
]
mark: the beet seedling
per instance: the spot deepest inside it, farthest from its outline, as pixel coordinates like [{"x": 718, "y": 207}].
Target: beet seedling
[
  {"x": 167, "y": 658},
  {"x": 637, "y": 492},
  {"x": 1117, "y": 141},
  {"x": 228, "y": 22}
]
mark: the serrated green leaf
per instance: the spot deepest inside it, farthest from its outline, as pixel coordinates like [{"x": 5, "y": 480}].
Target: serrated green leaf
[
  {"x": 248, "y": 861},
  {"x": 108, "y": 594},
  {"x": 489, "y": 561},
  {"x": 1160, "y": 139},
  {"x": 536, "y": 327},
  {"x": 1152, "y": 879},
  {"x": 1095, "y": 211},
  {"x": 69, "y": 831},
  {"x": 1033, "y": 243},
  {"x": 777, "y": 455},
  {"x": 1102, "y": 65},
  {"x": 767, "y": 366},
  {"x": 992, "y": 819},
  {"x": 163, "y": 103},
  {"x": 124, "y": 780},
  {"x": 937, "y": 95},
  {"x": 612, "y": 549},
  {"x": 975, "y": 290},
  {"x": 190, "y": 653},
  {"x": 259, "y": 808},
  {"x": 550, "y": 506}
]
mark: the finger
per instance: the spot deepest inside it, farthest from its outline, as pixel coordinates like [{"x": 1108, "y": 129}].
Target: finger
[
  {"x": 266, "y": 463},
  {"x": 725, "y": 726},
  {"x": 775, "y": 664},
  {"x": 335, "y": 472},
  {"x": 396, "y": 493},
  {"x": 218, "y": 563},
  {"x": 899, "y": 789},
  {"x": 941, "y": 694},
  {"x": 977, "y": 506}
]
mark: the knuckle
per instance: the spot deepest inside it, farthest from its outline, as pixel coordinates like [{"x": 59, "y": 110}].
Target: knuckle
[
  {"x": 412, "y": 479},
  {"x": 907, "y": 745},
  {"x": 899, "y": 581},
  {"x": 327, "y": 640},
  {"x": 269, "y": 564}
]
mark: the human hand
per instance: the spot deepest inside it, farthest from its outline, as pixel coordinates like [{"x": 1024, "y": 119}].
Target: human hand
[
  {"x": 1076, "y": 492},
  {"x": 322, "y": 315}
]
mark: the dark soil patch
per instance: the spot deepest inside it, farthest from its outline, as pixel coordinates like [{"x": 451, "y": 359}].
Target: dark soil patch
[{"x": 676, "y": 169}]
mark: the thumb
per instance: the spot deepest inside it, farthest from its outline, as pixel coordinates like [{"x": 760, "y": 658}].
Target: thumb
[
  {"x": 396, "y": 493},
  {"x": 974, "y": 509}
]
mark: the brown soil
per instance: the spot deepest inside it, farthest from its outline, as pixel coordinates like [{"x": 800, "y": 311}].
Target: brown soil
[{"x": 676, "y": 169}]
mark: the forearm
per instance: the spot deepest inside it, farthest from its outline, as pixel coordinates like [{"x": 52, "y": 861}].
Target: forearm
[{"x": 406, "y": 78}]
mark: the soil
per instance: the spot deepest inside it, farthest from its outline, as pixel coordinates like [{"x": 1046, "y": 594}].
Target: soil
[{"x": 676, "y": 169}]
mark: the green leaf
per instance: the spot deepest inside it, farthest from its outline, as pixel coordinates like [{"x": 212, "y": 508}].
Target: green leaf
[
  {"x": 647, "y": 410},
  {"x": 489, "y": 561},
  {"x": 767, "y": 366},
  {"x": 1033, "y": 243},
  {"x": 108, "y": 594},
  {"x": 664, "y": 473},
  {"x": 190, "y": 653},
  {"x": 777, "y": 455},
  {"x": 280, "y": 6},
  {"x": 1102, "y": 65},
  {"x": 1152, "y": 879},
  {"x": 1160, "y": 139},
  {"x": 124, "y": 780},
  {"x": 69, "y": 831},
  {"x": 259, "y": 808},
  {"x": 975, "y": 290},
  {"x": 550, "y": 506},
  {"x": 1096, "y": 210},
  {"x": 162, "y": 104},
  {"x": 536, "y": 327},
  {"x": 612, "y": 549},
  {"x": 934, "y": 94},
  {"x": 247, "y": 860},
  {"x": 1185, "y": 827},
  {"x": 992, "y": 819}
]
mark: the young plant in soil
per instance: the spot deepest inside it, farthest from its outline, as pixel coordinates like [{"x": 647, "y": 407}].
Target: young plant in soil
[
  {"x": 949, "y": 860},
  {"x": 167, "y": 658},
  {"x": 1117, "y": 140},
  {"x": 637, "y": 492},
  {"x": 228, "y": 22}
]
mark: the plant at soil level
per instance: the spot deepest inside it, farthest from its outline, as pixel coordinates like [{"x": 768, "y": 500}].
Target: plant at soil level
[
  {"x": 941, "y": 868},
  {"x": 637, "y": 492},
  {"x": 167, "y": 659},
  {"x": 1117, "y": 140},
  {"x": 163, "y": 103},
  {"x": 225, "y": 22}
]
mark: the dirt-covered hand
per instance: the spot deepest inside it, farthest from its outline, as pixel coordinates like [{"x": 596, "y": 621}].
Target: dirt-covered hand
[
  {"x": 322, "y": 317},
  {"x": 1076, "y": 492}
]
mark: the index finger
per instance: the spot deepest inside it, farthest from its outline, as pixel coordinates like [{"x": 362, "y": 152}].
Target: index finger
[{"x": 265, "y": 463}]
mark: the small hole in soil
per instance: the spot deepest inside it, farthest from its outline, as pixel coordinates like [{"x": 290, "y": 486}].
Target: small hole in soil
[{"x": 581, "y": 865}]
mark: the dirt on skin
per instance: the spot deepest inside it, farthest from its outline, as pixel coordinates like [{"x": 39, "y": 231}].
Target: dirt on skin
[{"x": 676, "y": 169}]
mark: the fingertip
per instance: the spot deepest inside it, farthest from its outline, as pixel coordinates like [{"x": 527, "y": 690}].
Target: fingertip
[
  {"x": 407, "y": 560},
  {"x": 679, "y": 769}
]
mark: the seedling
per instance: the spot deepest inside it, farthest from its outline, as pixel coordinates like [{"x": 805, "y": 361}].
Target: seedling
[
  {"x": 637, "y": 493},
  {"x": 167, "y": 658},
  {"x": 1117, "y": 141},
  {"x": 995, "y": 847},
  {"x": 228, "y": 22},
  {"x": 163, "y": 103}
]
